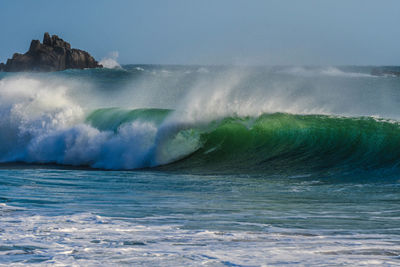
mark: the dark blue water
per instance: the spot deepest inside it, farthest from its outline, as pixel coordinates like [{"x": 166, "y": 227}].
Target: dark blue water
[{"x": 157, "y": 218}]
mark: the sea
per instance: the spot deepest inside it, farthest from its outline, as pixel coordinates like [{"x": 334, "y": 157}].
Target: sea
[{"x": 174, "y": 165}]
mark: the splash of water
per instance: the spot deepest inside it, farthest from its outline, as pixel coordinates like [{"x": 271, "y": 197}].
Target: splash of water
[{"x": 110, "y": 61}]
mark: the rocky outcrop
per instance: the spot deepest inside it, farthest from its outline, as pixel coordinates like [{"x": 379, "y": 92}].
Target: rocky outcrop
[{"x": 54, "y": 54}]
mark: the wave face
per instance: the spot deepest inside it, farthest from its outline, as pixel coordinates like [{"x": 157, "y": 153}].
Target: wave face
[
  {"x": 203, "y": 120},
  {"x": 282, "y": 143},
  {"x": 276, "y": 142}
]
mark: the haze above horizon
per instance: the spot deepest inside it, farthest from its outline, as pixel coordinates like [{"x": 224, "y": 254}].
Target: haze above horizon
[{"x": 257, "y": 32}]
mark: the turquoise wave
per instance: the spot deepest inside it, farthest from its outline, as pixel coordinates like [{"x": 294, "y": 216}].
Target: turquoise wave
[{"x": 274, "y": 143}]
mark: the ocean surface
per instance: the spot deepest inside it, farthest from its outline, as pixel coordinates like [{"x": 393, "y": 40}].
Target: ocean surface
[{"x": 159, "y": 165}]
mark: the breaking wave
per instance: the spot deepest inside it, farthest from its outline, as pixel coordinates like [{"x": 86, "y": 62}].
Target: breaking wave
[{"x": 209, "y": 130}]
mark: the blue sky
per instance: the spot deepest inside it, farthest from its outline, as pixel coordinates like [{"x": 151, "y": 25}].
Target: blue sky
[{"x": 259, "y": 32}]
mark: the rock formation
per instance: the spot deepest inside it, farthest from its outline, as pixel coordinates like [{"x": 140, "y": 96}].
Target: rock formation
[{"x": 53, "y": 55}]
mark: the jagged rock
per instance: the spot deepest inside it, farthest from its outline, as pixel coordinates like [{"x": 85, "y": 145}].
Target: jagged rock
[
  {"x": 47, "y": 40},
  {"x": 53, "y": 55}
]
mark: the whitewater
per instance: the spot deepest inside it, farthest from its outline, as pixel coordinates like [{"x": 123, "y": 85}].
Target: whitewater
[{"x": 200, "y": 165}]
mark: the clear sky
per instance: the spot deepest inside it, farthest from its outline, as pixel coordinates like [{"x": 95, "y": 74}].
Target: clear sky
[{"x": 260, "y": 32}]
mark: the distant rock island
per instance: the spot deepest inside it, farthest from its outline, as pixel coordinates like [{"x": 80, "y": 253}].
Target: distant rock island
[{"x": 54, "y": 54}]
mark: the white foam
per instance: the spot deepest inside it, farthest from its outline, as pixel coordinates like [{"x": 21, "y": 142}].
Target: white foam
[{"x": 79, "y": 239}]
